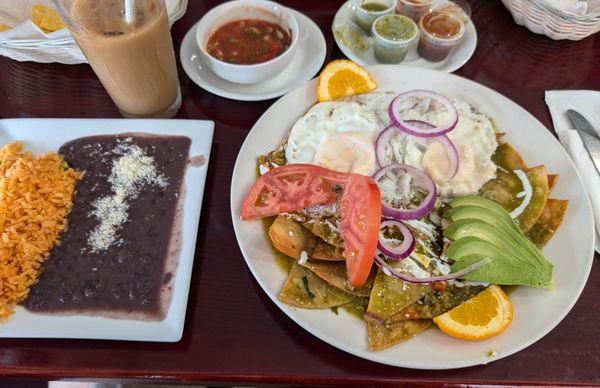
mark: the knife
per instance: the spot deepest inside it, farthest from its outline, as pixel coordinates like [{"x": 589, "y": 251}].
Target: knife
[
  {"x": 580, "y": 122},
  {"x": 589, "y": 136}
]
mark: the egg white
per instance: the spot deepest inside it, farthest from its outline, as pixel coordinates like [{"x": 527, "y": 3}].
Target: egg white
[{"x": 341, "y": 135}]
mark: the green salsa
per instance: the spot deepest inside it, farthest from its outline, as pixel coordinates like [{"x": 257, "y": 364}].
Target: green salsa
[
  {"x": 396, "y": 27},
  {"x": 373, "y": 6}
]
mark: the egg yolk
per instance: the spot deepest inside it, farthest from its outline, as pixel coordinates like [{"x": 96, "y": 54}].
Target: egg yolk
[
  {"x": 347, "y": 152},
  {"x": 437, "y": 163}
]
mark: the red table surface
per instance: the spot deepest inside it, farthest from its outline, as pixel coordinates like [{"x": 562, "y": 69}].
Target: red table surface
[{"x": 233, "y": 332}]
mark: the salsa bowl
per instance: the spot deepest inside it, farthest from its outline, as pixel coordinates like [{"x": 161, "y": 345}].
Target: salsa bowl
[{"x": 247, "y": 9}]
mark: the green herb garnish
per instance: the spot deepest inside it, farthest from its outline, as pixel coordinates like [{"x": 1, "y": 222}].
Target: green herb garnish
[{"x": 305, "y": 282}]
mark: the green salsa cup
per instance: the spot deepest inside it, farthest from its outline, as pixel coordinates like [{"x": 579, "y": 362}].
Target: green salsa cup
[
  {"x": 367, "y": 11},
  {"x": 394, "y": 35}
]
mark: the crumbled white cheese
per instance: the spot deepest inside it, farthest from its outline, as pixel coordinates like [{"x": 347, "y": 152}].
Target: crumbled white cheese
[
  {"x": 441, "y": 266},
  {"x": 262, "y": 169},
  {"x": 435, "y": 218},
  {"x": 386, "y": 271},
  {"x": 426, "y": 249},
  {"x": 291, "y": 233},
  {"x": 457, "y": 283},
  {"x": 132, "y": 170},
  {"x": 528, "y": 193},
  {"x": 409, "y": 266},
  {"x": 317, "y": 211},
  {"x": 303, "y": 257},
  {"x": 427, "y": 229}
]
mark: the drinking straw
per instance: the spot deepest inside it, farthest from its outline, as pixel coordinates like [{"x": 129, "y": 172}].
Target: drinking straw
[{"x": 129, "y": 10}]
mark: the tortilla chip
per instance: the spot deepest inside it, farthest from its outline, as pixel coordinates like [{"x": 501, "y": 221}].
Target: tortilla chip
[
  {"x": 435, "y": 303},
  {"x": 381, "y": 337},
  {"x": 335, "y": 273},
  {"x": 357, "y": 307},
  {"x": 291, "y": 238},
  {"x": 552, "y": 181},
  {"x": 305, "y": 289},
  {"x": 4, "y": 27},
  {"x": 324, "y": 251},
  {"x": 322, "y": 228},
  {"x": 390, "y": 296},
  {"x": 508, "y": 158},
  {"x": 539, "y": 183},
  {"x": 507, "y": 185},
  {"x": 550, "y": 220},
  {"x": 46, "y": 18}
]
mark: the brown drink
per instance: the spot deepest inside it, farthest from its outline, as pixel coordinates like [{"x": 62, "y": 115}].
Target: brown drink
[{"x": 134, "y": 59}]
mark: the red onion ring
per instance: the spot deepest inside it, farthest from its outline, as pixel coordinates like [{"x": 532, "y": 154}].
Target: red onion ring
[
  {"x": 418, "y": 177},
  {"x": 396, "y": 252},
  {"x": 388, "y": 270},
  {"x": 409, "y": 126},
  {"x": 384, "y": 138}
]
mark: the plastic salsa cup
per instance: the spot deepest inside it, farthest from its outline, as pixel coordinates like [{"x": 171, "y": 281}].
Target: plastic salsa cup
[
  {"x": 394, "y": 35},
  {"x": 367, "y": 11},
  {"x": 440, "y": 32},
  {"x": 413, "y": 8}
]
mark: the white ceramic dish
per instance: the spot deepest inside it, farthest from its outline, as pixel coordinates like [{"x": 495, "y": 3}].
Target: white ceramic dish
[
  {"x": 43, "y": 135},
  {"x": 253, "y": 9},
  {"x": 537, "y": 311},
  {"x": 309, "y": 58},
  {"x": 456, "y": 59}
]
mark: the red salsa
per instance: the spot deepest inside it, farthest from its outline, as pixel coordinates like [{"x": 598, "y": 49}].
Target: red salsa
[{"x": 248, "y": 41}]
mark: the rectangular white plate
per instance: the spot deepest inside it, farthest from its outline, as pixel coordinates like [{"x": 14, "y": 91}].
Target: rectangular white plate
[{"x": 44, "y": 135}]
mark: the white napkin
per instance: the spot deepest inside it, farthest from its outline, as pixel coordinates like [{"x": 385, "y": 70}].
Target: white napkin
[
  {"x": 17, "y": 14},
  {"x": 586, "y": 102}
]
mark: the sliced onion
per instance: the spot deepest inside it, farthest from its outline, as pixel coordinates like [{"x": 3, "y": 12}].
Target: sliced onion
[
  {"x": 385, "y": 137},
  {"x": 410, "y": 127},
  {"x": 390, "y": 271},
  {"x": 418, "y": 177},
  {"x": 383, "y": 140},
  {"x": 398, "y": 252}
]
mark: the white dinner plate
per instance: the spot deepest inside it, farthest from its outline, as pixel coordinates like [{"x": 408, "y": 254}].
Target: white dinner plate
[
  {"x": 44, "y": 135},
  {"x": 537, "y": 311},
  {"x": 456, "y": 59},
  {"x": 309, "y": 58}
]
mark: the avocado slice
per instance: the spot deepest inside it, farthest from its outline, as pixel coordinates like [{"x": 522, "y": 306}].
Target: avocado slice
[
  {"x": 498, "y": 237},
  {"x": 482, "y": 213},
  {"x": 517, "y": 277},
  {"x": 479, "y": 222},
  {"x": 475, "y": 200},
  {"x": 505, "y": 268}
]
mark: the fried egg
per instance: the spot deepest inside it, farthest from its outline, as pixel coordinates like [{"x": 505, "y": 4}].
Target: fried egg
[
  {"x": 340, "y": 135},
  {"x": 475, "y": 140}
]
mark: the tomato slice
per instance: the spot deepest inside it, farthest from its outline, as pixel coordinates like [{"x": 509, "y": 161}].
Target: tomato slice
[
  {"x": 297, "y": 186},
  {"x": 360, "y": 209}
]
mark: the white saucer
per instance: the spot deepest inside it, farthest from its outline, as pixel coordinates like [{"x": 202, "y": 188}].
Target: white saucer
[
  {"x": 458, "y": 57},
  {"x": 307, "y": 62}
]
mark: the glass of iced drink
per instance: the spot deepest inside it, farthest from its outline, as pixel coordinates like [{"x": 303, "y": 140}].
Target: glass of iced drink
[{"x": 128, "y": 44}]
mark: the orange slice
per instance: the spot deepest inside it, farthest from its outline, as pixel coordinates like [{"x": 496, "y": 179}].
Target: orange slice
[
  {"x": 486, "y": 315},
  {"x": 343, "y": 78}
]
